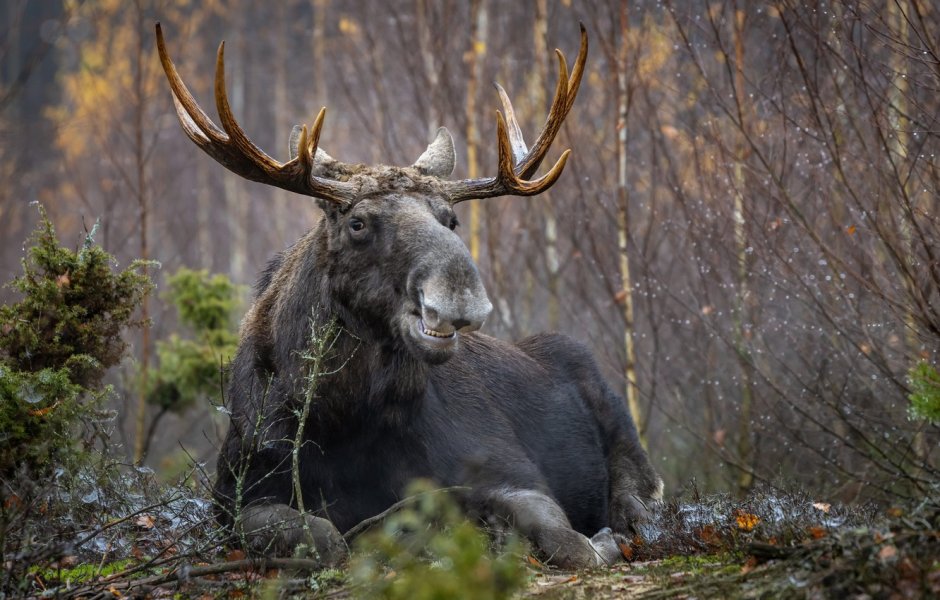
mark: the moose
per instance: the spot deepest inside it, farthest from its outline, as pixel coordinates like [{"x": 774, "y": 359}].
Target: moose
[{"x": 529, "y": 434}]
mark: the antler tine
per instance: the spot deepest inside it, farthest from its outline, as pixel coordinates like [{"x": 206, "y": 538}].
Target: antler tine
[
  {"x": 519, "y": 148},
  {"x": 230, "y": 125},
  {"x": 234, "y": 150},
  {"x": 517, "y": 163},
  {"x": 307, "y": 145},
  {"x": 507, "y": 182},
  {"x": 190, "y": 115},
  {"x": 508, "y": 178},
  {"x": 565, "y": 93}
]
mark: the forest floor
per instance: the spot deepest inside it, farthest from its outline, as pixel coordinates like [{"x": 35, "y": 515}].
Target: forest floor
[{"x": 771, "y": 545}]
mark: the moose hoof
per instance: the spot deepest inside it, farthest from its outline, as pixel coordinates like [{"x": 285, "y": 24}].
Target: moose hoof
[
  {"x": 279, "y": 530},
  {"x": 567, "y": 549},
  {"x": 607, "y": 544}
]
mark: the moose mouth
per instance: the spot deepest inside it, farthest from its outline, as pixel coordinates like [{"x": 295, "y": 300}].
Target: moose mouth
[{"x": 435, "y": 345}]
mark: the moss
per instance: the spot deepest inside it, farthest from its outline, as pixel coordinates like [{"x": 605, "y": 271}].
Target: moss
[{"x": 82, "y": 573}]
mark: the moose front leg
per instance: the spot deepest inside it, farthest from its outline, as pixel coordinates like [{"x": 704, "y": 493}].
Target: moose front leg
[
  {"x": 635, "y": 491},
  {"x": 540, "y": 519},
  {"x": 277, "y": 530}
]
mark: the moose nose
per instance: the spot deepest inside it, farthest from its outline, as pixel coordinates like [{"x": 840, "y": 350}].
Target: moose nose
[{"x": 445, "y": 313}]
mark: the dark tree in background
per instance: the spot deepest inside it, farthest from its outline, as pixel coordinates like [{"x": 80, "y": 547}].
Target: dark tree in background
[{"x": 746, "y": 235}]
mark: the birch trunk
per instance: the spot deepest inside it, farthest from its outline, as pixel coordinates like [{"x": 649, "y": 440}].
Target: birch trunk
[
  {"x": 741, "y": 313},
  {"x": 623, "y": 226}
]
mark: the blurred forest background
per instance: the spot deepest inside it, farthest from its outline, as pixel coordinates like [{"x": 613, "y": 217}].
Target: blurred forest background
[{"x": 746, "y": 234}]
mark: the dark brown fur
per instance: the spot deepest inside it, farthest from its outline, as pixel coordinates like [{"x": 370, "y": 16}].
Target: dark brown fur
[{"x": 531, "y": 429}]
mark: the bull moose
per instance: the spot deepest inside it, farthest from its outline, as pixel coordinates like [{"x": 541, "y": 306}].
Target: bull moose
[{"x": 529, "y": 432}]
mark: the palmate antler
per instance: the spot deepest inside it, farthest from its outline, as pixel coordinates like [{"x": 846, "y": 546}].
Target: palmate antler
[
  {"x": 516, "y": 162},
  {"x": 236, "y": 152}
]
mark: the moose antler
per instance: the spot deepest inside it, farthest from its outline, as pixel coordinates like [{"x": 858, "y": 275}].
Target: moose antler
[
  {"x": 236, "y": 152},
  {"x": 516, "y": 162}
]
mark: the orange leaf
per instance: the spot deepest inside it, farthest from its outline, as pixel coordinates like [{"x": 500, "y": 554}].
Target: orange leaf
[
  {"x": 144, "y": 521},
  {"x": 533, "y": 561},
  {"x": 234, "y": 555},
  {"x": 41, "y": 412},
  {"x": 746, "y": 521},
  {"x": 894, "y": 512},
  {"x": 850, "y": 229},
  {"x": 707, "y": 534},
  {"x": 626, "y": 551},
  {"x": 750, "y": 565},
  {"x": 888, "y": 552},
  {"x": 817, "y": 532}
]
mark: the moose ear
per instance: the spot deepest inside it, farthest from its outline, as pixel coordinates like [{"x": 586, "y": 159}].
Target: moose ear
[{"x": 440, "y": 157}]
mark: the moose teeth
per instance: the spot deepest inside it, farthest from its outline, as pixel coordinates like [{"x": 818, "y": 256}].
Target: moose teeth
[{"x": 438, "y": 334}]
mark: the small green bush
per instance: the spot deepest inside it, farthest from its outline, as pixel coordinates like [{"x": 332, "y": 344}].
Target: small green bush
[
  {"x": 56, "y": 343},
  {"x": 189, "y": 367},
  {"x": 430, "y": 551}
]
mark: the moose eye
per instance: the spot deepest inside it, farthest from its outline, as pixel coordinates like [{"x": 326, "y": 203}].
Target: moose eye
[
  {"x": 356, "y": 225},
  {"x": 453, "y": 223}
]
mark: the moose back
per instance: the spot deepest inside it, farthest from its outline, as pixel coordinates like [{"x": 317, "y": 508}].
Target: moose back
[{"x": 408, "y": 388}]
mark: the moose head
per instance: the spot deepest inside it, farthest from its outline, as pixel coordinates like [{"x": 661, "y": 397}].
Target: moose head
[{"x": 396, "y": 264}]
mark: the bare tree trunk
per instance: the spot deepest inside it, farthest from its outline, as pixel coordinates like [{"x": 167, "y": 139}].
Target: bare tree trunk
[
  {"x": 538, "y": 97},
  {"x": 623, "y": 225},
  {"x": 742, "y": 313},
  {"x": 475, "y": 58},
  {"x": 282, "y": 113},
  {"x": 898, "y": 11},
  {"x": 237, "y": 210},
  {"x": 140, "y": 161},
  {"x": 432, "y": 119},
  {"x": 319, "y": 49}
]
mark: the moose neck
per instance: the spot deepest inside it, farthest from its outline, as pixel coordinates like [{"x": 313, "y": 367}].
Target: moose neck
[{"x": 367, "y": 377}]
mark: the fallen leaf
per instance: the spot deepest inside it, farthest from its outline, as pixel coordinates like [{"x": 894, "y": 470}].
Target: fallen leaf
[
  {"x": 817, "y": 532},
  {"x": 888, "y": 552},
  {"x": 534, "y": 561},
  {"x": 234, "y": 555},
  {"x": 823, "y": 506},
  {"x": 749, "y": 565},
  {"x": 144, "y": 521},
  {"x": 114, "y": 592},
  {"x": 850, "y": 229},
  {"x": 707, "y": 534},
  {"x": 746, "y": 521},
  {"x": 895, "y": 512},
  {"x": 626, "y": 551}
]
